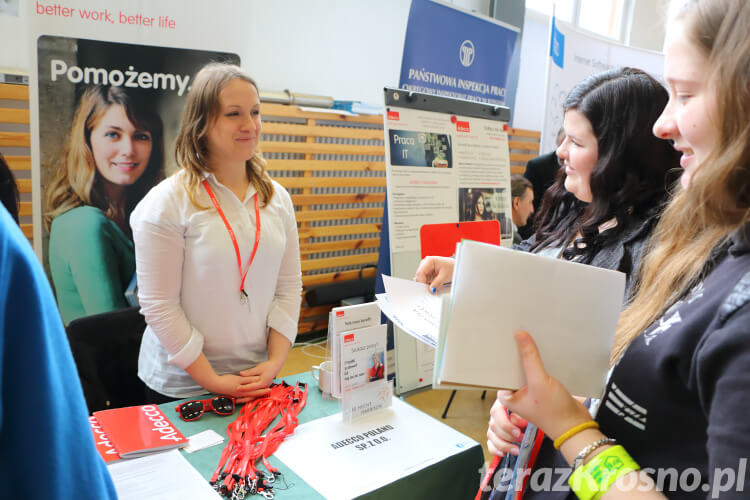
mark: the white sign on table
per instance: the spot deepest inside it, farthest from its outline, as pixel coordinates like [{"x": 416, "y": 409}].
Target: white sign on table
[{"x": 369, "y": 453}]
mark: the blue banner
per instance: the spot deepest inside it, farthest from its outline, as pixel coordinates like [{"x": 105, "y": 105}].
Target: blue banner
[
  {"x": 455, "y": 54},
  {"x": 557, "y": 45}
]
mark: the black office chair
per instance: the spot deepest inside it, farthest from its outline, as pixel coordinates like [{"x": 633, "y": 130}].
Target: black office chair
[{"x": 105, "y": 348}]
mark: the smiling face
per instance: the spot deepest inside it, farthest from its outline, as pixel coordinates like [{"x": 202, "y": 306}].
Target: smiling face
[
  {"x": 234, "y": 132},
  {"x": 121, "y": 150},
  {"x": 578, "y": 154},
  {"x": 689, "y": 118}
]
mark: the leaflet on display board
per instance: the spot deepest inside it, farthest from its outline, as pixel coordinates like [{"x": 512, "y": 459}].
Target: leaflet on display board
[{"x": 447, "y": 161}]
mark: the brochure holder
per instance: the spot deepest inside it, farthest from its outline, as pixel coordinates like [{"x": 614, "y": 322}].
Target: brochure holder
[{"x": 359, "y": 377}]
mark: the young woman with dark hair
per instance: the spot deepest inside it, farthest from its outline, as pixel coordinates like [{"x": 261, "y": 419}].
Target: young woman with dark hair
[
  {"x": 608, "y": 195},
  {"x": 479, "y": 207},
  {"x": 615, "y": 174}
]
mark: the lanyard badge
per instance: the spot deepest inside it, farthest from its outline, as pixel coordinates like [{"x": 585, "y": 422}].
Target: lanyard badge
[{"x": 244, "y": 299}]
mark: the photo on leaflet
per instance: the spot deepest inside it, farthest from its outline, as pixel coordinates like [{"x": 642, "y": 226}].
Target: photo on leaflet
[
  {"x": 420, "y": 149},
  {"x": 376, "y": 366},
  {"x": 108, "y": 118},
  {"x": 477, "y": 204}
]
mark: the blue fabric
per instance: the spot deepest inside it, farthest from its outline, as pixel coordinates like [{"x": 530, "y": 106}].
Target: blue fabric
[{"x": 46, "y": 444}]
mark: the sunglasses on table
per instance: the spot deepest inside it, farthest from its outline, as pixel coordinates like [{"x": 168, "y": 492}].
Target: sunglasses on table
[{"x": 192, "y": 410}]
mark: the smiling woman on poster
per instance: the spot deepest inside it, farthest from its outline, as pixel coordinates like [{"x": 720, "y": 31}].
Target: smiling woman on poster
[
  {"x": 113, "y": 155},
  {"x": 217, "y": 253}
]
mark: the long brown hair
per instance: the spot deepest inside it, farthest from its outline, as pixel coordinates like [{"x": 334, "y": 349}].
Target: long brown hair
[
  {"x": 201, "y": 109},
  {"x": 718, "y": 200},
  {"x": 77, "y": 181}
]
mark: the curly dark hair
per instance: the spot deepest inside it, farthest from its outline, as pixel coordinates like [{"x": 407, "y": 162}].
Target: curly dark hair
[{"x": 634, "y": 171}]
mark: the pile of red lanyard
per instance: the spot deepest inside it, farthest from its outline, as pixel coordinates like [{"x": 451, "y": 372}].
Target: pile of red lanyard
[{"x": 237, "y": 474}]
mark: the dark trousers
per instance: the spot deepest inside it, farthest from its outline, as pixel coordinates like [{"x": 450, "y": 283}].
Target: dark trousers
[{"x": 157, "y": 398}]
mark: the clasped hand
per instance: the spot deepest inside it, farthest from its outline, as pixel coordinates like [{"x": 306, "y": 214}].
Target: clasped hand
[
  {"x": 543, "y": 401},
  {"x": 249, "y": 384}
]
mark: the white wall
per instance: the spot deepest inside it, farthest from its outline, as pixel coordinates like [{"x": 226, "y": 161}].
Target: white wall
[
  {"x": 529, "y": 107},
  {"x": 14, "y": 43},
  {"x": 647, "y": 28},
  {"x": 352, "y": 49},
  {"x": 341, "y": 48}
]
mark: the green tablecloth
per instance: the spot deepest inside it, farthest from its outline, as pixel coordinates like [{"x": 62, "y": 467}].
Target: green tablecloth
[{"x": 455, "y": 478}]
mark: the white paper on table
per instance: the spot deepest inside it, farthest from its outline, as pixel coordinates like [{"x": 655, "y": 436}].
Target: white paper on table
[
  {"x": 369, "y": 453},
  {"x": 570, "y": 309},
  {"x": 163, "y": 476},
  {"x": 412, "y": 307},
  {"x": 202, "y": 440}
]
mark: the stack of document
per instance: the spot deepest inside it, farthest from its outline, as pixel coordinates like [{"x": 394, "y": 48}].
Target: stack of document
[{"x": 570, "y": 309}]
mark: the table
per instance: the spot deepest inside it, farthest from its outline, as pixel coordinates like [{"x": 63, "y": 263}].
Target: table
[{"x": 456, "y": 477}]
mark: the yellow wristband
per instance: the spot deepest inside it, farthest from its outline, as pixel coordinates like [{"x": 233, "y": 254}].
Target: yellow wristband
[
  {"x": 594, "y": 479},
  {"x": 573, "y": 431}
]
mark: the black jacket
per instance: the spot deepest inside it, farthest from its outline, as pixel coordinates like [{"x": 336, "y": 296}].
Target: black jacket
[
  {"x": 678, "y": 399},
  {"x": 541, "y": 171}
]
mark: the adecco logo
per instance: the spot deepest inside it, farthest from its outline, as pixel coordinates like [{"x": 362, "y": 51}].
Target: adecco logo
[
  {"x": 466, "y": 53},
  {"x": 462, "y": 126}
]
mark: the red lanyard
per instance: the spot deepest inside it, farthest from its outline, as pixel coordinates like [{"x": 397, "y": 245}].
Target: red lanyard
[
  {"x": 237, "y": 472},
  {"x": 243, "y": 293}
]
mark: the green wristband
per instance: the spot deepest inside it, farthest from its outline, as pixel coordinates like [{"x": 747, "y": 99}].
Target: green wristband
[{"x": 594, "y": 479}]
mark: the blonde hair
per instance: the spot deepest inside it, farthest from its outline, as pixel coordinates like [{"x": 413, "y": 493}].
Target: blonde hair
[
  {"x": 201, "y": 109},
  {"x": 77, "y": 181},
  {"x": 718, "y": 201}
]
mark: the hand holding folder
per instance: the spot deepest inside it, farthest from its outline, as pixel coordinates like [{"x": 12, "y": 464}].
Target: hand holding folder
[{"x": 570, "y": 309}]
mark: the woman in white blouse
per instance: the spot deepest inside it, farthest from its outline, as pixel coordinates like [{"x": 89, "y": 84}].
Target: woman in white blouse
[{"x": 217, "y": 253}]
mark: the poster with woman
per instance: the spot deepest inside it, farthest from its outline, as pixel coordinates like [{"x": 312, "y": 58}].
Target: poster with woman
[
  {"x": 109, "y": 114},
  {"x": 476, "y": 204}
]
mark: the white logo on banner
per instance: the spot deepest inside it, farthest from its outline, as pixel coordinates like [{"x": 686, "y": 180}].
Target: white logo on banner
[{"x": 466, "y": 53}]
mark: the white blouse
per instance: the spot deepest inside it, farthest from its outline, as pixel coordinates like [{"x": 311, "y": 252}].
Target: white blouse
[{"x": 189, "y": 282}]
